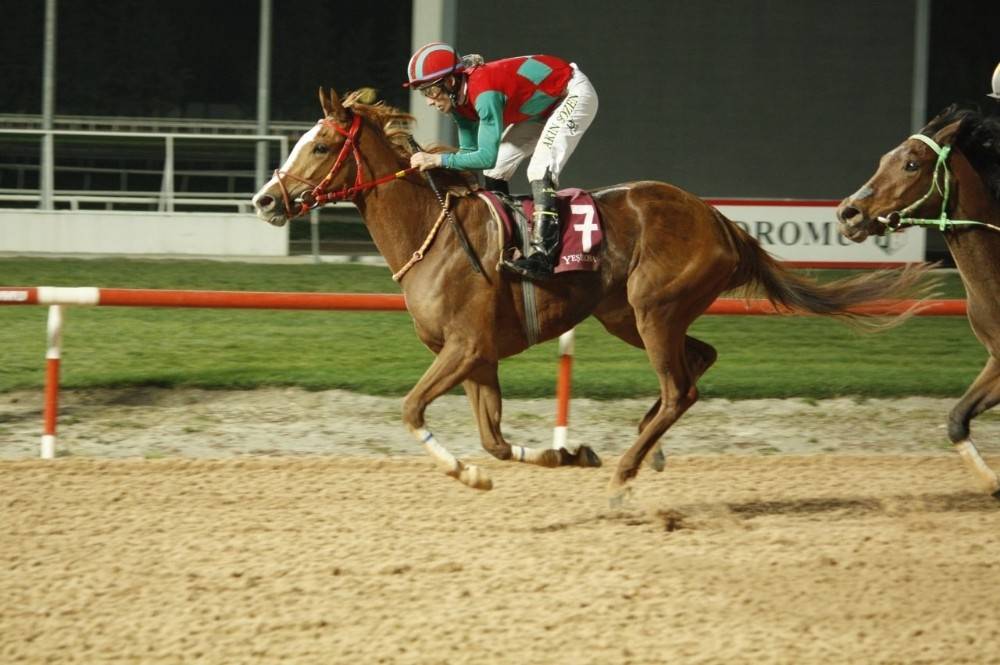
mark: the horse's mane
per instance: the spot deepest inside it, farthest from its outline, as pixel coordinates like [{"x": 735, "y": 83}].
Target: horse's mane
[
  {"x": 978, "y": 138},
  {"x": 396, "y": 125}
]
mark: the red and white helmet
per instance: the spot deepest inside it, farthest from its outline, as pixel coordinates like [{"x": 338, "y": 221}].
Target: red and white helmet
[{"x": 432, "y": 62}]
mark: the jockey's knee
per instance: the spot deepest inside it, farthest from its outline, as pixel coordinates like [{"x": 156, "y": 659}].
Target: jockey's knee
[{"x": 496, "y": 185}]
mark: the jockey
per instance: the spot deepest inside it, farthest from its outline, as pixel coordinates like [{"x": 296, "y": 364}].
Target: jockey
[{"x": 536, "y": 105}]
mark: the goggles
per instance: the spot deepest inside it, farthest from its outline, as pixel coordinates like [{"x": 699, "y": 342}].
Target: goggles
[{"x": 433, "y": 90}]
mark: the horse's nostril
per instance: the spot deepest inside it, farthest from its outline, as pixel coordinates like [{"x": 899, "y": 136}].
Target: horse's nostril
[
  {"x": 847, "y": 214},
  {"x": 264, "y": 202}
]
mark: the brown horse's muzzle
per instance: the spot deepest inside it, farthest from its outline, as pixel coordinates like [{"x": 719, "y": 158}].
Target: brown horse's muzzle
[
  {"x": 269, "y": 207},
  {"x": 858, "y": 217},
  {"x": 854, "y": 224}
]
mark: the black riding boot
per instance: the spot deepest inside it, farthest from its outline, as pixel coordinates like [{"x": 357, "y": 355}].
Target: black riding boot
[
  {"x": 496, "y": 185},
  {"x": 544, "y": 243}
]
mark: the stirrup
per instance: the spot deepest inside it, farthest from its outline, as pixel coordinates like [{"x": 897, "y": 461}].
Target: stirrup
[{"x": 535, "y": 267}]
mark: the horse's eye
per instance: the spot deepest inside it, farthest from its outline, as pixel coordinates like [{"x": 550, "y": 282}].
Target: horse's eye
[
  {"x": 912, "y": 166},
  {"x": 321, "y": 148}
]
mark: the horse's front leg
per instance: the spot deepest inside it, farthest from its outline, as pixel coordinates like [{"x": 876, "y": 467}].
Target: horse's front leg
[
  {"x": 453, "y": 363},
  {"x": 483, "y": 388},
  {"x": 983, "y": 394}
]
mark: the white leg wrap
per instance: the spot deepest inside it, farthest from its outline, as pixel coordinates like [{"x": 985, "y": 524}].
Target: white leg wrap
[
  {"x": 975, "y": 461},
  {"x": 444, "y": 459},
  {"x": 469, "y": 474},
  {"x": 529, "y": 455}
]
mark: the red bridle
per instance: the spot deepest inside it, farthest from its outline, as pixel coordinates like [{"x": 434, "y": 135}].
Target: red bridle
[{"x": 320, "y": 193}]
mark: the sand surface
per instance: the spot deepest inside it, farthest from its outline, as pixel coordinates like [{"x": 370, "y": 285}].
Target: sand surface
[
  {"x": 153, "y": 422},
  {"x": 280, "y": 526}
]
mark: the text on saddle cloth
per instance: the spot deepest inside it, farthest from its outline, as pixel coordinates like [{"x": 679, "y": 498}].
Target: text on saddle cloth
[{"x": 582, "y": 232}]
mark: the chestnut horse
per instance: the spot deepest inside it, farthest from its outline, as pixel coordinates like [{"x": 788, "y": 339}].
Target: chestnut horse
[
  {"x": 950, "y": 169},
  {"x": 667, "y": 256}
]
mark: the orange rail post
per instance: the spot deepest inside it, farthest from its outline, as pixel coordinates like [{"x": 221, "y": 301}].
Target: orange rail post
[
  {"x": 52, "y": 357},
  {"x": 561, "y": 431}
]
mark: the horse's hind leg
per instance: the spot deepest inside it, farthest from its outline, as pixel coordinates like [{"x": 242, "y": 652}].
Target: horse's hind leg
[
  {"x": 700, "y": 357},
  {"x": 483, "y": 389},
  {"x": 452, "y": 364},
  {"x": 983, "y": 394},
  {"x": 666, "y": 345}
]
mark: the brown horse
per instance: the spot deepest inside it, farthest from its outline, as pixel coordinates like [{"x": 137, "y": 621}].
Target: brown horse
[
  {"x": 667, "y": 255},
  {"x": 950, "y": 169}
]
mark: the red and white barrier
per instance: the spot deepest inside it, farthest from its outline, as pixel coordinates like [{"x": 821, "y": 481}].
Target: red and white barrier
[
  {"x": 52, "y": 357},
  {"x": 565, "y": 379},
  {"x": 58, "y": 296},
  {"x": 88, "y": 295}
]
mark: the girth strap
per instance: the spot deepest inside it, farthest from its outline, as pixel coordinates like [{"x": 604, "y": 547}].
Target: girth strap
[{"x": 532, "y": 330}]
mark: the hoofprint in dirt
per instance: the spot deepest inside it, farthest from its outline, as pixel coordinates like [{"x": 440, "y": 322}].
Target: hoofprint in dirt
[{"x": 190, "y": 423}]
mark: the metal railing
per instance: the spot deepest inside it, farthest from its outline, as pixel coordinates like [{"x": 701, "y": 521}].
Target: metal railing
[
  {"x": 84, "y": 199},
  {"x": 166, "y": 199},
  {"x": 150, "y": 124}
]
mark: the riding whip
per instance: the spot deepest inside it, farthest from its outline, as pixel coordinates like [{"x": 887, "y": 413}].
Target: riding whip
[{"x": 451, "y": 218}]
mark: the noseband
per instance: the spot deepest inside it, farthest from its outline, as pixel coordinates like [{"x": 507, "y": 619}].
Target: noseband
[{"x": 321, "y": 192}]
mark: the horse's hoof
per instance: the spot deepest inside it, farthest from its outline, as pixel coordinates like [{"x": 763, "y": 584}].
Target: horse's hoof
[
  {"x": 587, "y": 457},
  {"x": 619, "y": 496},
  {"x": 551, "y": 458},
  {"x": 474, "y": 477},
  {"x": 584, "y": 456},
  {"x": 657, "y": 461}
]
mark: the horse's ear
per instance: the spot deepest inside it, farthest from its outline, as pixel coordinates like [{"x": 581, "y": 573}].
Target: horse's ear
[
  {"x": 324, "y": 101},
  {"x": 332, "y": 108},
  {"x": 947, "y": 134}
]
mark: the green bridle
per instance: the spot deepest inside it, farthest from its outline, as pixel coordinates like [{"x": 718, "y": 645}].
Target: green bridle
[{"x": 941, "y": 184}]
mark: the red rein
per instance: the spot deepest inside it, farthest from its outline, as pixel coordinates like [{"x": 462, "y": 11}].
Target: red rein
[{"x": 320, "y": 193}]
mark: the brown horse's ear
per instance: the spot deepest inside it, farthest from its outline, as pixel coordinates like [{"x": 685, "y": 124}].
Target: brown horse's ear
[
  {"x": 332, "y": 108},
  {"x": 947, "y": 135}
]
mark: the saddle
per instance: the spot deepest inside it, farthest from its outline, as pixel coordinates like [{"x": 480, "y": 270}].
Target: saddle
[{"x": 579, "y": 223}]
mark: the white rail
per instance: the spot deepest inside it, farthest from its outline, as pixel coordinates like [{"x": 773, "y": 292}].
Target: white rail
[{"x": 167, "y": 198}]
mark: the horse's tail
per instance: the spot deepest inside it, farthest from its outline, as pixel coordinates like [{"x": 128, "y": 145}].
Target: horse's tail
[{"x": 792, "y": 291}]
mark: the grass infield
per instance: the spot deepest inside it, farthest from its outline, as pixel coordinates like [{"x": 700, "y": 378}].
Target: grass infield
[{"x": 379, "y": 353}]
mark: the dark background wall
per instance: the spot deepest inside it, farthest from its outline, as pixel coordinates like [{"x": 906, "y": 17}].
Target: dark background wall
[
  {"x": 964, "y": 49},
  {"x": 198, "y": 58},
  {"x": 763, "y": 98}
]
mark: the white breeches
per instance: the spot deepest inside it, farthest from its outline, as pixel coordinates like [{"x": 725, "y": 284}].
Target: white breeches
[{"x": 550, "y": 143}]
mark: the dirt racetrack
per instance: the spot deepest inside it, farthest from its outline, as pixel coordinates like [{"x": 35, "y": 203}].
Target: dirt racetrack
[{"x": 764, "y": 555}]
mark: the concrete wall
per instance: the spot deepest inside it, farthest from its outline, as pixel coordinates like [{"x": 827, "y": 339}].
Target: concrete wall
[{"x": 101, "y": 232}]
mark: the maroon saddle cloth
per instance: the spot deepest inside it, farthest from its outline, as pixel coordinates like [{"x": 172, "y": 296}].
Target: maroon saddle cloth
[{"x": 579, "y": 221}]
